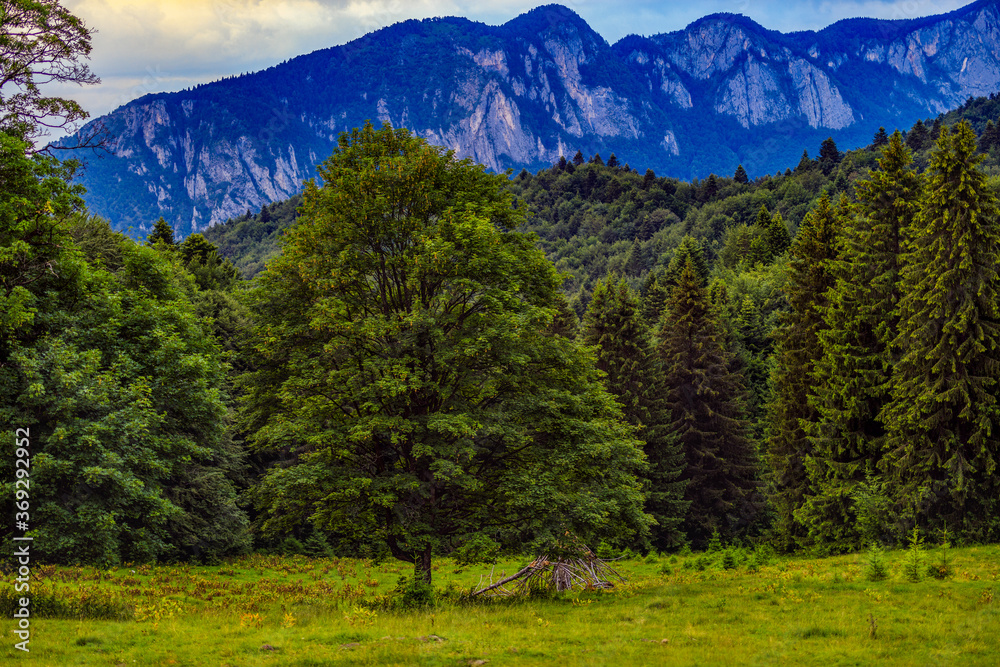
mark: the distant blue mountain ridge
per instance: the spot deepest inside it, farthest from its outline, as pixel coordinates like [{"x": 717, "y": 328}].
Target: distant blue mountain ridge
[{"x": 722, "y": 92}]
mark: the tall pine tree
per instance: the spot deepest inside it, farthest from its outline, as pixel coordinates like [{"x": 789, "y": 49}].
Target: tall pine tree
[
  {"x": 852, "y": 378},
  {"x": 810, "y": 277},
  {"x": 942, "y": 420},
  {"x": 614, "y": 324},
  {"x": 705, "y": 409}
]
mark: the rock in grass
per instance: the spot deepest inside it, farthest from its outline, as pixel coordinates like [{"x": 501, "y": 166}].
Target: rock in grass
[{"x": 350, "y": 645}]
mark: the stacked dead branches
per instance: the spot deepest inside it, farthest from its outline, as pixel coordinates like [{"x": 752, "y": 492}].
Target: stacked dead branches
[{"x": 564, "y": 572}]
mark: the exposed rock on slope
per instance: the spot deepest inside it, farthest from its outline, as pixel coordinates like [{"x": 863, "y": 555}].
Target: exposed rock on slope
[{"x": 721, "y": 92}]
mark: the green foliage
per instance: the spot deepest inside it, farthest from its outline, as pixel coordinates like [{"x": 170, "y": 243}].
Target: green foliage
[
  {"x": 411, "y": 594},
  {"x": 876, "y": 568},
  {"x": 704, "y": 402},
  {"x": 614, "y": 325},
  {"x": 478, "y": 549},
  {"x": 810, "y": 277},
  {"x": 36, "y": 205},
  {"x": 406, "y": 353},
  {"x": 942, "y": 450},
  {"x": 871, "y": 506},
  {"x": 913, "y": 563},
  {"x": 689, "y": 250},
  {"x": 40, "y": 43},
  {"x": 829, "y": 156},
  {"x": 162, "y": 233},
  {"x": 104, "y": 360},
  {"x": 942, "y": 569},
  {"x": 851, "y": 379}
]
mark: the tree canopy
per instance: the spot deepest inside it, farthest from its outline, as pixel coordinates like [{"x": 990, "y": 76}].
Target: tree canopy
[
  {"x": 40, "y": 43},
  {"x": 410, "y": 367}
]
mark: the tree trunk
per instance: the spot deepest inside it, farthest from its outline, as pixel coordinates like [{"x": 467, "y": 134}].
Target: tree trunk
[{"x": 422, "y": 566}]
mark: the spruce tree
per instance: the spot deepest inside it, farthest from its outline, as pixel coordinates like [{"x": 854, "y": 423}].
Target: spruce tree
[
  {"x": 829, "y": 156},
  {"x": 810, "y": 277},
  {"x": 942, "y": 418},
  {"x": 614, "y": 325},
  {"x": 711, "y": 189},
  {"x": 805, "y": 163},
  {"x": 852, "y": 379},
  {"x": 881, "y": 139},
  {"x": 989, "y": 138},
  {"x": 690, "y": 249},
  {"x": 777, "y": 236},
  {"x": 741, "y": 175},
  {"x": 704, "y": 400},
  {"x": 918, "y": 138},
  {"x": 773, "y": 235},
  {"x": 162, "y": 231},
  {"x": 654, "y": 297}
]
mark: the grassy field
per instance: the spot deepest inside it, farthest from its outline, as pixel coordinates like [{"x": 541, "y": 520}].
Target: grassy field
[{"x": 728, "y": 607}]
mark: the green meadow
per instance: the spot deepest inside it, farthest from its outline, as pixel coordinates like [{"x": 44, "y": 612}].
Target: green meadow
[{"x": 732, "y": 607}]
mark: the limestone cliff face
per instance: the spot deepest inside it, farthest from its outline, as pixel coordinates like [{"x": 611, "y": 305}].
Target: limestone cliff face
[
  {"x": 708, "y": 97},
  {"x": 750, "y": 76}
]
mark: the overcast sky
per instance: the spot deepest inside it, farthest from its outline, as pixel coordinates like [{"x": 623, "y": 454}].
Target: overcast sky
[{"x": 145, "y": 46}]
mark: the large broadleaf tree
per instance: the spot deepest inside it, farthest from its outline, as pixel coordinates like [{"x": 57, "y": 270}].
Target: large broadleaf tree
[{"x": 411, "y": 374}]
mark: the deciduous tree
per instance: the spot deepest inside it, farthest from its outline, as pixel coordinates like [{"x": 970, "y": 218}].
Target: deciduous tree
[{"x": 409, "y": 363}]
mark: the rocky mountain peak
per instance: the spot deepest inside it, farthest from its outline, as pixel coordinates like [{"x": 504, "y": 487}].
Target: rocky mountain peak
[{"x": 721, "y": 92}]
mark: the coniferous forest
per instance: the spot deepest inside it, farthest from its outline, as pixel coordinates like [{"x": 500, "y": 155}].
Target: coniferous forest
[{"x": 419, "y": 358}]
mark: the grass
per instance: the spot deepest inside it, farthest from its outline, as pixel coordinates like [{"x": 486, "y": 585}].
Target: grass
[{"x": 738, "y": 609}]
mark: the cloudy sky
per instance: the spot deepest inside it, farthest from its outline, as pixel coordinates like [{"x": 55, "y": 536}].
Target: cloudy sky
[{"x": 147, "y": 46}]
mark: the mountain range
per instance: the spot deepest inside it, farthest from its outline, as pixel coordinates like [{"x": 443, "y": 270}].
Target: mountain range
[{"x": 723, "y": 91}]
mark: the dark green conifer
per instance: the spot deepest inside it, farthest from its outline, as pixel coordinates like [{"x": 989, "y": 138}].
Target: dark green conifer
[
  {"x": 162, "y": 231},
  {"x": 705, "y": 408},
  {"x": 805, "y": 163},
  {"x": 741, "y": 175},
  {"x": 918, "y": 138},
  {"x": 778, "y": 239},
  {"x": 614, "y": 325},
  {"x": 881, "y": 138},
  {"x": 852, "y": 379},
  {"x": 829, "y": 156},
  {"x": 654, "y": 298},
  {"x": 635, "y": 263},
  {"x": 711, "y": 188},
  {"x": 691, "y": 250},
  {"x": 942, "y": 419},
  {"x": 798, "y": 349},
  {"x": 990, "y": 137},
  {"x": 771, "y": 229}
]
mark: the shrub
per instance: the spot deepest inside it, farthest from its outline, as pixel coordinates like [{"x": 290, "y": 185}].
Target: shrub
[
  {"x": 476, "y": 550},
  {"x": 913, "y": 565},
  {"x": 876, "y": 569}
]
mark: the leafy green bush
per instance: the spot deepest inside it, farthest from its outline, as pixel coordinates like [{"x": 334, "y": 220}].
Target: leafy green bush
[
  {"x": 411, "y": 594},
  {"x": 479, "y": 549}
]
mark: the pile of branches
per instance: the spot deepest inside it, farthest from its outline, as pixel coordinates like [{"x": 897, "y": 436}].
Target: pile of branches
[{"x": 577, "y": 568}]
